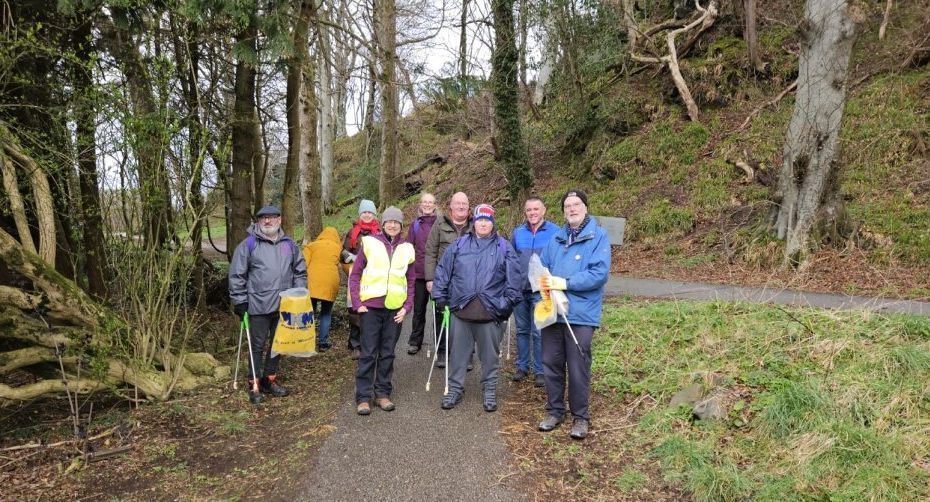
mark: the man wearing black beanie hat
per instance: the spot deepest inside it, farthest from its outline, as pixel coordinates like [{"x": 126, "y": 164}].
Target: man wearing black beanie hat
[{"x": 578, "y": 257}]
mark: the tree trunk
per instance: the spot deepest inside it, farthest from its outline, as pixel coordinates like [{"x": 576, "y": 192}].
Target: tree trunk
[
  {"x": 808, "y": 179},
  {"x": 85, "y": 118},
  {"x": 243, "y": 142},
  {"x": 369, "y": 119},
  {"x": 390, "y": 184},
  {"x": 546, "y": 66},
  {"x": 291, "y": 203},
  {"x": 506, "y": 102},
  {"x": 327, "y": 129},
  {"x": 310, "y": 186},
  {"x": 751, "y": 34},
  {"x": 629, "y": 22},
  {"x": 463, "y": 47},
  {"x": 187, "y": 54}
]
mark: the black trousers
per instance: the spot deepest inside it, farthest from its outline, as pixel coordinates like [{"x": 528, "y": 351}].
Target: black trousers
[
  {"x": 420, "y": 307},
  {"x": 376, "y": 364},
  {"x": 558, "y": 353},
  {"x": 261, "y": 332}
]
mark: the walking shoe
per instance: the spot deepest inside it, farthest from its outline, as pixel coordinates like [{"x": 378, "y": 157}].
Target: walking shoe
[
  {"x": 450, "y": 400},
  {"x": 322, "y": 347},
  {"x": 384, "y": 403},
  {"x": 413, "y": 349},
  {"x": 356, "y": 354},
  {"x": 363, "y": 409},
  {"x": 549, "y": 423},
  {"x": 255, "y": 396},
  {"x": 540, "y": 381},
  {"x": 441, "y": 362},
  {"x": 579, "y": 429},
  {"x": 471, "y": 362},
  {"x": 268, "y": 386},
  {"x": 490, "y": 401},
  {"x": 519, "y": 376}
]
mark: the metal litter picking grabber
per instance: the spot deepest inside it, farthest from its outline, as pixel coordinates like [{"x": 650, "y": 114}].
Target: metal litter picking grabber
[
  {"x": 559, "y": 309},
  {"x": 244, "y": 326},
  {"x": 432, "y": 305},
  {"x": 443, "y": 329}
]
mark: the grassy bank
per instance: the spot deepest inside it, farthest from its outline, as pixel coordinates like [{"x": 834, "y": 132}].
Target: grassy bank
[{"x": 819, "y": 405}]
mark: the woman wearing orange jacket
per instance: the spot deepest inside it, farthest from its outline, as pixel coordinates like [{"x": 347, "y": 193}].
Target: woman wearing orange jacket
[{"x": 322, "y": 256}]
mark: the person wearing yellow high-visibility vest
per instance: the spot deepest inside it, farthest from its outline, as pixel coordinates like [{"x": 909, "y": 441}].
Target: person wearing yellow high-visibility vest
[{"x": 381, "y": 285}]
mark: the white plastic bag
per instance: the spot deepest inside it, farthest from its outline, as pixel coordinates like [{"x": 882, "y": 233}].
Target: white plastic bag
[{"x": 547, "y": 310}]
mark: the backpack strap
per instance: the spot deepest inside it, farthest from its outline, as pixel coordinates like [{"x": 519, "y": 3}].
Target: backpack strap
[{"x": 251, "y": 242}]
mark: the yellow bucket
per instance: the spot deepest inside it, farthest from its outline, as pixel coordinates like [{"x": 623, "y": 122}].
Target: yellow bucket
[{"x": 296, "y": 332}]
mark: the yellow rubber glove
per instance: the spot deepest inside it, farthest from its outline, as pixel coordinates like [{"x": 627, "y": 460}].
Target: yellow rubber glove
[{"x": 548, "y": 282}]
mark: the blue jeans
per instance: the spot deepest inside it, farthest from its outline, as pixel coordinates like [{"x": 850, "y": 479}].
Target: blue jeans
[
  {"x": 323, "y": 310},
  {"x": 527, "y": 331}
]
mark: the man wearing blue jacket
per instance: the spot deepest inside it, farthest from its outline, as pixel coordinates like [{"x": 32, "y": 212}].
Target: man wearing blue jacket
[
  {"x": 478, "y": 278},
  {"x": 528, "y": 239},
  {"x": 578, "y": 257}
]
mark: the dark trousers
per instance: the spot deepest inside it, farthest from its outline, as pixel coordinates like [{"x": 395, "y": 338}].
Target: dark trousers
[
  {"x": 376, "y": 364},
  {"x": 261, "y": 331},
  {"x": 420, "y": 304},
  {"x": 354, "y": 330},
  {"x": 559, "y": 351},
  {"x": 441, "y": 346},
  {"x": 323, "y": 311}
]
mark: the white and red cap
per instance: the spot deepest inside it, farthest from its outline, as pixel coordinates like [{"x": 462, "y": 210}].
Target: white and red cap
[{"x": 484, "y": 211}]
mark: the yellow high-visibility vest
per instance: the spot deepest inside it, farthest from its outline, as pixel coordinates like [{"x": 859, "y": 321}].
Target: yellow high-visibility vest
[{"x": 385, "y": 275}]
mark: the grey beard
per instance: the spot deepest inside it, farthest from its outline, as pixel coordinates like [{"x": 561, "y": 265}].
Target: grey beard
[{"x": 271, "y": 233}]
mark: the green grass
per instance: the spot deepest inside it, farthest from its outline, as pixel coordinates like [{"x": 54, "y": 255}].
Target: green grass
[{"x": 832, "y": 405}]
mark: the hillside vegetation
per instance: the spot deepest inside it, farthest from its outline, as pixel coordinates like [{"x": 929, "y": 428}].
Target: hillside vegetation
[{"x": 618, "y": 130}]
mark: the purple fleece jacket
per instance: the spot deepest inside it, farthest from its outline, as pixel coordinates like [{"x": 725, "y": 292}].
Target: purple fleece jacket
[
  {"x": 417, "y": 235},
  {"x": 355, "y": 277}
]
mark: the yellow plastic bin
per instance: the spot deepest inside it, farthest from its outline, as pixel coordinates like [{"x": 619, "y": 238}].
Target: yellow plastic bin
[{"x": 296, "y": 332}]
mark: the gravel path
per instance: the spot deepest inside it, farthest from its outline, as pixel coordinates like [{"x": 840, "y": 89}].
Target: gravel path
[{"x": 418, "y": 451}]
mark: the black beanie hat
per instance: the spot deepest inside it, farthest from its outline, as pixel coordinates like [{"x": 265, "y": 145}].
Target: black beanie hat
[{"x": 577, "y": 193}]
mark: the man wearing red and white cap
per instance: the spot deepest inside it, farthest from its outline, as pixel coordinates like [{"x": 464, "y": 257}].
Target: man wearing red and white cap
[{"x": 479, "y": 279}]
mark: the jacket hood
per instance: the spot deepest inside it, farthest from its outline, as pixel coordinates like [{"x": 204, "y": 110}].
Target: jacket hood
[{"x": 328, "y": 234}]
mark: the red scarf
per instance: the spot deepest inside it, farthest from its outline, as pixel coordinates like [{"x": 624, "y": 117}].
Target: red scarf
[{"x": 371, "y": 228}]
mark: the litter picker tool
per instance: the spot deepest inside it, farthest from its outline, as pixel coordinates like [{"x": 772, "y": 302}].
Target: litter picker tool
[
  {"x": 248, "y": 338},
  {"x": 443, "y": 331},
  {"x": 238, "y": 353},
  {"x": 432, "y": 305}
]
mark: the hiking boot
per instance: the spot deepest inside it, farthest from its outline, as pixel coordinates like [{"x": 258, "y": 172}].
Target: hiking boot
[
  {"x": 549, "y": 423},
  {"x": 450, "y": 400},
  {"x": 540, "y": 381},
  {"x": 255, "y": 396},
  {"x": 579, "y": 429},
  {"x": 267, "y": 385},
  {"x": 490, "y": 401},
  {"x": 519, "y": 376},
  {"x": 363, "y": 409},
  {"x": 384, "y": 403},
  {"x": 413, "y": 349},
  {"x": 356, "y": 353}
]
